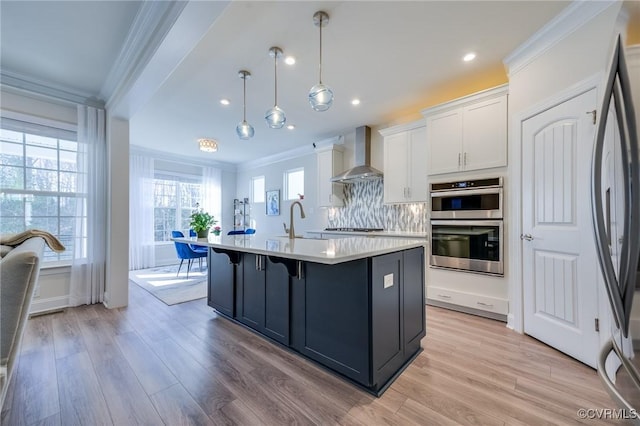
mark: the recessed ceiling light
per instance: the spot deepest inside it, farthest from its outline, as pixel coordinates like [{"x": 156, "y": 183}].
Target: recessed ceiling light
[
  {"x": 291, "y": 127},
  {"x": 289, "y": 60},
  {"x": 469, "y": 57},
  {"x": 225, "y": 101},
  {"x": 355, "y": 101}
]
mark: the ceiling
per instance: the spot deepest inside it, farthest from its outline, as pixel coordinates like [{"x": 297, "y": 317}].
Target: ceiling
[{"x": 391, "y": 55}]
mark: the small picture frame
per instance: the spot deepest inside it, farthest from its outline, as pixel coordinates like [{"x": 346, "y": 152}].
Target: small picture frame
[{"x": 273, "y": 202}]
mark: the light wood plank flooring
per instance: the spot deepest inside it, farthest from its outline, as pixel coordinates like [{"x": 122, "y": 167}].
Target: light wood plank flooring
[{"x": 178, "y": 365}]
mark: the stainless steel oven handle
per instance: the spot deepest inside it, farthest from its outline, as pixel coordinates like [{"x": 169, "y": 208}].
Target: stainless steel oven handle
[
  {"x": 497, "y": 222},
  {"x": 465, "y": 192}
]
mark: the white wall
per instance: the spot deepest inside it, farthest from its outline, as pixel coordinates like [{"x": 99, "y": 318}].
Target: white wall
[
  {"x": 117, "y": 266},
  {"x": 273, "y": 173}
]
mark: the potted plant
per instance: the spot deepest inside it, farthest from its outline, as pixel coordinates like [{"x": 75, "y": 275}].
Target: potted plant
[
  {"x": 201, "y": 221},
  {"x": 216, "y": 230}
]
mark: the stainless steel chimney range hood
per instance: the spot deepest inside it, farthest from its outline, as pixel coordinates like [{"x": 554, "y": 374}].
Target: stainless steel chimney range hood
[{"x": 363, "y": 170}]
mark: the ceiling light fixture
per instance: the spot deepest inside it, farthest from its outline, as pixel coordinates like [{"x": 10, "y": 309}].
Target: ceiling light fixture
[
  {"x": 355, "y": 101},
  {"x": 225, "y": 101},
  {"x": 289, "y": 60},
  {"x": 275, "y": 116},
  {"x": 469, "y": 57},
  {"x": 320, "y": 95},
  {"x": 244, "y": 130},
  {"x": 291, "y": 127},
  {"x": 208, "y": 145}
]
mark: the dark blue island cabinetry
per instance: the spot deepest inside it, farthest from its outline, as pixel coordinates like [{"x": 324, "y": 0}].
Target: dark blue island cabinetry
[{"x": 363, "y": 318}]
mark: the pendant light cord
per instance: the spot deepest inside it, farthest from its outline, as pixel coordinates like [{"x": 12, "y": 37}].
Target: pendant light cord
[
  {"x": 275, "y": 70},
  {"x": 244, "y": 98},
  {"x": 320, "y": 77}
]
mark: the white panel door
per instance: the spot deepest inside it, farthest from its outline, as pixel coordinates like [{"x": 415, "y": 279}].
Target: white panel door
[{"x": 560, "y": 267}]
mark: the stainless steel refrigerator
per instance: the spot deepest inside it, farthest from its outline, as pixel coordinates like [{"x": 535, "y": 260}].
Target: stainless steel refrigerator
[{"x": 616, "y": 220}]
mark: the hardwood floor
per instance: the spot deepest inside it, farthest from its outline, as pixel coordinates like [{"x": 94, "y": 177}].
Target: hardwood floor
[{"x": 179, "y": 365}]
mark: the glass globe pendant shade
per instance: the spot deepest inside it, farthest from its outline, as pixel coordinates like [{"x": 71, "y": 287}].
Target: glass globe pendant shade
[
  {"x": 275, "y": 117},
  {"x": 244, "y": 130},
  {"x": 320, "y": 97}
]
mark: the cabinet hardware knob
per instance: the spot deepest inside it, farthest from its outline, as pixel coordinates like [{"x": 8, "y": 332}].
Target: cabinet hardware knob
[
  {"x": 459, "y": 159},
  {"x": 465, "y": 159},
  {"x": 487, "y": 305},
  {"x": 444, "y": 296},
  {"x": 527, "y": 237}
]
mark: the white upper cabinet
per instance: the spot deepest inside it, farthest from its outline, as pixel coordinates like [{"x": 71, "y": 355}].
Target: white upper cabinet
[
  {"x": 330, "y": 164},
  {"x": 405, "y": 172},
  {"x": 469, "y": 133}
]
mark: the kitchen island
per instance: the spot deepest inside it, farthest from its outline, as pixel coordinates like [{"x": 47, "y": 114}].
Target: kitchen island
[{"x": 353, "y": 305}]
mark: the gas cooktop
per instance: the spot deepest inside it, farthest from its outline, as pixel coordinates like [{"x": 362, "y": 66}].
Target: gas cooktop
[{"x": 349, "y": 229}]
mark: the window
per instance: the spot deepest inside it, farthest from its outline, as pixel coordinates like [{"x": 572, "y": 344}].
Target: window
[
  {"x": 174, "y": 198},
  {"x": 39, "y": 183},
  {"x": 257, "y": 189},
  {"x": 293, "y": 184}
]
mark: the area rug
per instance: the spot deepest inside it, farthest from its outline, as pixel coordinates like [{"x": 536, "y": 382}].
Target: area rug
[{"x": 163, "y": 283}]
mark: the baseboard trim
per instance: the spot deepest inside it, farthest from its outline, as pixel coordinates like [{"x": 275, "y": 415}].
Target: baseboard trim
[
  {"x": 42, "y": 306},
  {"x": 466, "y": 310}
]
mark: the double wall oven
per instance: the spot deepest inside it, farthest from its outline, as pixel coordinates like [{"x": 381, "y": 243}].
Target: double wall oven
[{"x": 467, "y": 226}]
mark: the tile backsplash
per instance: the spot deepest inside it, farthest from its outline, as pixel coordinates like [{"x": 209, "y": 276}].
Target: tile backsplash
[{"x": 364, "y": 208}]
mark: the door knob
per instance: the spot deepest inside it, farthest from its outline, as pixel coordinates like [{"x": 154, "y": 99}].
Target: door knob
[{"x": 527, "y": 237}]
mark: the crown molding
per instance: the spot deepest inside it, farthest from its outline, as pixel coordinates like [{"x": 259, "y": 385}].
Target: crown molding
[
  {"x": 291, "y": 154},
  {"x": 560, "y": 27},
  {"x": 150, "y": 26},
  {"x": 402, "y": 127},
  {"x": 184, "y": 159},
  {"x": 30, "y": 86},
  {"x": 492, "y": 92}
]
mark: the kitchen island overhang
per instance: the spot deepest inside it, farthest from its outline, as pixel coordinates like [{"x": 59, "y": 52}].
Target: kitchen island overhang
[{"x": 353, "y": 305}]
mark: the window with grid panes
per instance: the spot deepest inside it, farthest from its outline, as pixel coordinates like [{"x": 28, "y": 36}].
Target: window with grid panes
[{"x": 39, "y": 183}]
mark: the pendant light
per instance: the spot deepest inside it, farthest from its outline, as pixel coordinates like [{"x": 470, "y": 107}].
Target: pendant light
[
  {"x": 320, "y": 95},
  {"x": 275, "y": 116},
  {"x": 243, "y": 129}
]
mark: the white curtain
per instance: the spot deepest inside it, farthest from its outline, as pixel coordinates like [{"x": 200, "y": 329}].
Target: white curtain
[
  {"x": 141, "y": 244},
  {"x": 212, "y": 193},
  {"x": 89, "y": 238}
]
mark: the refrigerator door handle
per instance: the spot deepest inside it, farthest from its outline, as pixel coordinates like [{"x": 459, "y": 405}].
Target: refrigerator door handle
[{"x": 600, "y": 230}]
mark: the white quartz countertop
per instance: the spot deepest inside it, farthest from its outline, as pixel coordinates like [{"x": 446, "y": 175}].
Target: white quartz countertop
[
  {"x": 329, "y": 251},
  {"x": 390, "y": 234}
]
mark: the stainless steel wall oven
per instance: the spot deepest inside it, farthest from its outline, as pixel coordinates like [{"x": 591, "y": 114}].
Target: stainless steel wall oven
[{"x": 467, "y": 226}]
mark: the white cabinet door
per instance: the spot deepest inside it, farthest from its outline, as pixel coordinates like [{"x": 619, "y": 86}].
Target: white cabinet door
[
  {"x": 329, "y": 164},
  {"x": 395, "y": 167},
  {"x": 444, "y": 139},
  {"x": 417, "y": 185},
  {"x": 484, "y": 130}
]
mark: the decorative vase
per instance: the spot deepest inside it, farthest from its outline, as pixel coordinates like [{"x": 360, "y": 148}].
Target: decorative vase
[{"x": 203, "y": 233}]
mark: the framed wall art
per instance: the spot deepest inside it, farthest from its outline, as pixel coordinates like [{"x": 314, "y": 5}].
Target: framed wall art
[{"x": 273, "y": 202}]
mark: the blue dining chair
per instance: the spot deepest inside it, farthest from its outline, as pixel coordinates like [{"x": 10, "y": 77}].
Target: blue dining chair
[
  {"x": 248, "y": 231},
  {"x": 186, "y": 252}
]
